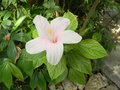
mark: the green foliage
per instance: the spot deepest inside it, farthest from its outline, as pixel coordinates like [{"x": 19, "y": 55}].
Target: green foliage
[
  {"x": 85, "y": 31},
  {"x": 34, "y": 34},
  {"x": 16, "y": 71},
  {"x": 38, "y": 80},
  {"x": 26, "y": 66},
  {"x": 56, "y": 70},
  {"x": 33, "y": 70},
  {"x": 91, "y": 49},
  {"x": 18, "y": 22},
  {"x": 3, "y": 44},
  {"x": 7, "y": 15},
  {"x": 11, "y": 50},
  {"x": 78, "y": 62},
  {"x": 76, "y": 76},
  {"x": 8, "y": 69},
  {"x": 37, "y": 59},
  {"x": 97, "y": 37},
  {"x": 19, "y": 37},
  {"x": 6, "y": 75},
  {"x": 73, "y": 21},
  {"x": 60, "y": 78}
]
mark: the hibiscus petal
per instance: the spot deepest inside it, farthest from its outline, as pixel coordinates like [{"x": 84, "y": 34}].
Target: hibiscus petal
[
  {"x": 71, "y": 37},
  {"x": 41, "y": 24},
  {"x": 59, "y": 23},
  {"x": 54, "y": 53},
  {"x": 35, "y": 46}
]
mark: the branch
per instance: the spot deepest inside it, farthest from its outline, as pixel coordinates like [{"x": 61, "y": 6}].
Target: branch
[{"x": 91, "y": 11}]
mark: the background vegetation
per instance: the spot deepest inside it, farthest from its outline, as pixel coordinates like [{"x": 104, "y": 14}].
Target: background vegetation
[{"x": 18, "y": 69}]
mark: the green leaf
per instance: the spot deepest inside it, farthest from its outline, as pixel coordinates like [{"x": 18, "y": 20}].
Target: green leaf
[
  {"x": 76, "y": 76},
  {"x": 6, "y": 23},
  {"x": 11, "y": 50},
  {"x": 26, "y": 66},
  {"x": 46, "y": 75},
  {"x": 34, "y": 34},
  {"x": 56, "y": 70},
  {"x": 60, "y": 78},
  {"x": 19, "y": 37},
  {"x": 3, "y": 44},
  {"x": 34, "y": 80},
  {"x": 91, "y": 49},
  {"x": 12, "y": 2},
  {"x": 38, "y": 80},
  {"x": 5, "y": 3},
  {"x": 16, "y": 71},
  {"x": 2, "y": 13},
  {"x": 41, "y": 81},
  {"x": 7, "y": 15},
  {"x": 97, "y": 37},
  {"x": 78, "y": 62},
  {"x": 6, "y": 75},
  {"x": 68, "y": 48},
  {"x": 84, "y": 32},
  {"x": 23, "y": 0},
  {"x": 37, "y": 59},
  {"x": 18, "y": 22},
  {"x": 25, "y": 12},
  {"x": 73, "y": 21}
]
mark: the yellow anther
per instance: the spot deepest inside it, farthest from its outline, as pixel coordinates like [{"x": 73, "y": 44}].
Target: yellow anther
[{"x": 49, "y": 30}]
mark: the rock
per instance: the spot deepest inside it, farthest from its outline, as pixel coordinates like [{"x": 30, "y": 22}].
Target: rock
[
  {"x": 96, "y": 82},
  {"x": 59, "y": 87},
  {"x": 80, "y": 87},
  {"x": 52, "y": 87},
  {"x": 110, "y": 87},
  {"x": 67, "y": 85},
  {"x": 111, "y": 67}
]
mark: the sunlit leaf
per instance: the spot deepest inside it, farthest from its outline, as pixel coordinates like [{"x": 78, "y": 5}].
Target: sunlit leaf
[
  {"x": 91, "y": 49},
  {"x": 19, "y": 22},
  {"x": 73, "y": 21}
]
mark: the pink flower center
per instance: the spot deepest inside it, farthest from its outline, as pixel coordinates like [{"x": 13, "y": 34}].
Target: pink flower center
[{"x": 51, "y": 35}]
